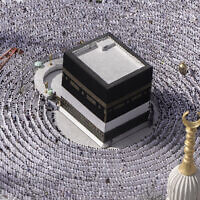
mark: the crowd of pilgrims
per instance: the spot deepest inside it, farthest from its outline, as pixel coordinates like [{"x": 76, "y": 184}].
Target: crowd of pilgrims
[{"x": 36, "y": 159}]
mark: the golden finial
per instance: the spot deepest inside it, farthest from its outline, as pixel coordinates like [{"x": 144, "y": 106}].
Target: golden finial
[
  {"x": 183, "y": 68},
  {"x": 187, "y": 167},
  {"x": 50, "y": 59}
]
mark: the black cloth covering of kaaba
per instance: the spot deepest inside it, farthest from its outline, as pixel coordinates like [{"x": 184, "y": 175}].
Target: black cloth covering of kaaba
[{"x": 107, "y": 92}]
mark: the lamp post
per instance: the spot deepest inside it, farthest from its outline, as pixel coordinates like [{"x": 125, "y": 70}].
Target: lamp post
[
  {"x": 50, "y": 59},
  {"x": 46, "y": 86}
]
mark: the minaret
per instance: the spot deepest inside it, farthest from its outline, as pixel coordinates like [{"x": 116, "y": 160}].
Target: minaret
[{"x": 184, "y": 179}]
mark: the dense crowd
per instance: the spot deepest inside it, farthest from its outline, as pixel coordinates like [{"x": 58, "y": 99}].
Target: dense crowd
[{"x": 36, "y": 160}]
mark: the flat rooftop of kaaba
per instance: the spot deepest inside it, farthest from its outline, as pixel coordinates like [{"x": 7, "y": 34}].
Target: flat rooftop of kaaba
[
  {"x": 106, "y": 58},
  {"x": 107, "y": 67}
]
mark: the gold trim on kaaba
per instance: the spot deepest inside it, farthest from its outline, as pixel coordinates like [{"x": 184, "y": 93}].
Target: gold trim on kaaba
[
  {"x": 74, "y": 85},
  {"x": 136, "y": 97},
  {"x": 91, "y": 100},
  {"x": 119, "y": 106},
  {"x": 83, "y": 87},
  {"x": 124, "y": 98}
]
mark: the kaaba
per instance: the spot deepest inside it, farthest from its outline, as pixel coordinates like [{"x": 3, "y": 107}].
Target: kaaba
[{"x": 106, "y": 87}]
